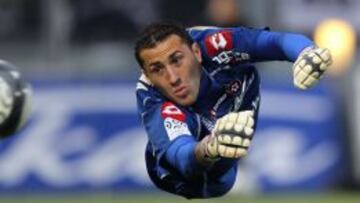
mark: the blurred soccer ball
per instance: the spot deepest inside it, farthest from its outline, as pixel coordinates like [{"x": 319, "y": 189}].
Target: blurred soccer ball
[
  {"x": 6, "y": 100},
  {"x": 15, "y": 97}
]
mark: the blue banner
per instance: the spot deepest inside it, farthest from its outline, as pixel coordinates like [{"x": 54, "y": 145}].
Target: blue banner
[
  {"x": 299, "y": 143},
  {"x": 87, "y": 135}
]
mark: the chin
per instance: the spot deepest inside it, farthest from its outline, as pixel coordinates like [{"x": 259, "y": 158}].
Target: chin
[{"x": 185, "y": 102}]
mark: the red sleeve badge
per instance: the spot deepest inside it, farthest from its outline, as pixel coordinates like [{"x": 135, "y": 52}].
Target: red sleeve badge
[
  {"x": 169, "y": 110},
  {"x": 218, "y": 42}
]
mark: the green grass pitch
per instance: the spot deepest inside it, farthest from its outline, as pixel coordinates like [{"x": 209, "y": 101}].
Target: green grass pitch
[{"x": 329, "y": 197}]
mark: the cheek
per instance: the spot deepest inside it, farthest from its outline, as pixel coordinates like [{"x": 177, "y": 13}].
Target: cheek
[
  {"x": 195, "y": 74},
  {"x": 195, "y": 69},
  {"x": 158, "y": 83}
]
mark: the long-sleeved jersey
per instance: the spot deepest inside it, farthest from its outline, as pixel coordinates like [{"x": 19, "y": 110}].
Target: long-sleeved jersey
[{"x": 229, "y": 82}]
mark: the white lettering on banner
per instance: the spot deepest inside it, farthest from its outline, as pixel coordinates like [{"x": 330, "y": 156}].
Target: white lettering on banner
[
  {"x": 285, "y": 164},
  {"x": 41, "y": 148},
  {"x": 119, "y": 157},
  {"x": 298, "y": 107}
]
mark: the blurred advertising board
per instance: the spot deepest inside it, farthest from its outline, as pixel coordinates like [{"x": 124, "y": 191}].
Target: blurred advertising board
[
  {"x": 299, "y": 143},
  {"x": 86, "y": 135},
  {"x": 306, "y": 14},
  {"x": 354, "y": 118}
]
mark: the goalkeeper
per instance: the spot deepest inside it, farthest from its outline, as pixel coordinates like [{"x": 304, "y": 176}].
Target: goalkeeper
[{"x": 198, "y": 98}]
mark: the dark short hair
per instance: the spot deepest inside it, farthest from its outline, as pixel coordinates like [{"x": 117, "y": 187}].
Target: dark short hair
[{"x": 156, "y": 33}]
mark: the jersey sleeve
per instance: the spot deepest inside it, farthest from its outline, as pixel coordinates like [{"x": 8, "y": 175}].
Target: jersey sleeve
[
  {"x": 171, "y": 133},
  {"x": 244, "y": 44},
  {"x": 163, "y": 121},
  {"x": 280, "y": 46}
]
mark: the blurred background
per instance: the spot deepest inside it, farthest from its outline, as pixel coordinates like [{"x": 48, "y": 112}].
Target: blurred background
[{"x": 84, "y": 142}]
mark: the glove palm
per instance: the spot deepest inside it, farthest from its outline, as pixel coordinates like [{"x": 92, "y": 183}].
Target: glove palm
[
  {"x": 310, "y": 66},
  {"x": 231, "y": 136}
]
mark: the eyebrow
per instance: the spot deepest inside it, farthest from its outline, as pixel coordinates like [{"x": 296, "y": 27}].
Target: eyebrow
[
  {"x": 172, "y": 55},
  {"x": 156, "y": 63}
]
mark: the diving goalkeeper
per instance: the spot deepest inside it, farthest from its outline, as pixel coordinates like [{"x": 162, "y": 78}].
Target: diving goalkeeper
[{"x": 198, "y": 98}]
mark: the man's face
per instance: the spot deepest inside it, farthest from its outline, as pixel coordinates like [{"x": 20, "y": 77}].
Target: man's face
[{"x": 174, "y": 68}]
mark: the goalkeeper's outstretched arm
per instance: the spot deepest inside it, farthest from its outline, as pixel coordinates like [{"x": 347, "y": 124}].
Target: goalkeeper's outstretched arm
[{"x": 310, "y": 61}]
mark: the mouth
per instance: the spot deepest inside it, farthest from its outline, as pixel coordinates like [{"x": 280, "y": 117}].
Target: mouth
[{"x": 181, "y": 92}]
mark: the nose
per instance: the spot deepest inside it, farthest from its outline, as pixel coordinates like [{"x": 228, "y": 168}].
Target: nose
[{"x": 173, "y": 77}]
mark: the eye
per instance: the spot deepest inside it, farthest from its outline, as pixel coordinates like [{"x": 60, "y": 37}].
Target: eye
[
  {"x": 176, "y": 59},
  {"x": 156, "y": 69}
]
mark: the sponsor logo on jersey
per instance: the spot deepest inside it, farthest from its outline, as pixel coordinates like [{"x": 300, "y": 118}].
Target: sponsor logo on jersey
[
  {"x": 225, "y": 57},
  {"x": 169, "y": 110},
  {"x": 218, "y": 42},
  {"x": 233, "y": 87},
  {"x": 174, "y": 128}
]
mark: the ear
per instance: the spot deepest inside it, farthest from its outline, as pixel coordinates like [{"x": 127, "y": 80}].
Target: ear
[
  {"x": 143, "y": 72},
  {"x": 197, "y": 51},
  {"x": 145, "y": 79}
]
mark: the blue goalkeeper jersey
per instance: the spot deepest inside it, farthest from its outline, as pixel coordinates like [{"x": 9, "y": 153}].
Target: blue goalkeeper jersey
[{"x": 229, "y": 82}]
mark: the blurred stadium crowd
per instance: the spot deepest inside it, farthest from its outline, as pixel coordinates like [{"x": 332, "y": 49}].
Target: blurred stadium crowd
[{"x": 62, "y": 37}]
